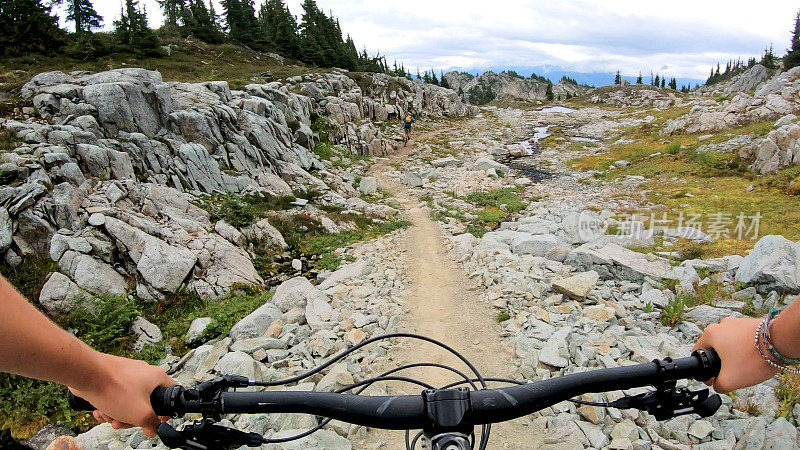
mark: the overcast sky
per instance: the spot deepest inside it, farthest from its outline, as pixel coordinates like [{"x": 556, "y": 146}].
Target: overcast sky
[{"x": 680, "y": 38}]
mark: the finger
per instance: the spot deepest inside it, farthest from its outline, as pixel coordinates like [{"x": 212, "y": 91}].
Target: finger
[
  {"x": 98, "y": 416},
  {"x": 116, "y": 424},
  {"x": 149, "y": 432},
  {"x": 106, "y": 418},
  {"x": 703, "y": 342}
]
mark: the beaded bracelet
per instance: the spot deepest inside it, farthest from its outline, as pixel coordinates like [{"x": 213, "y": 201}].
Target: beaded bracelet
[
  {"x": 768, "y": 341},
  {"x": 768, "y": 360}
]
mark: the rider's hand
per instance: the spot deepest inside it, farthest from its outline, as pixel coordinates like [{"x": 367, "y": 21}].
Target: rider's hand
[
  {"x": 121, "y": 392},
  {"x": 742, "y": 365}
]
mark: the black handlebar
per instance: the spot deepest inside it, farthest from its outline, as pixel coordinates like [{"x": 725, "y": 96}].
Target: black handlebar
[{"x": 457, "y": 407}]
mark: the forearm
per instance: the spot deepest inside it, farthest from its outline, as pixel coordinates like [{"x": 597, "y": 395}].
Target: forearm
[
  {"x": 785, "y": 331},
  {"x": 27, "y": 336}
]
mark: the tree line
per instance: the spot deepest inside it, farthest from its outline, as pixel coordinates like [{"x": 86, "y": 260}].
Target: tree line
[
  {"x": 655, "y": 81},
  {"x": 30, "y": 26}
]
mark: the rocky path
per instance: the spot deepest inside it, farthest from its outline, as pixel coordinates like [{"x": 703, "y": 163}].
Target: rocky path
[{"x": 445, "y": 305}]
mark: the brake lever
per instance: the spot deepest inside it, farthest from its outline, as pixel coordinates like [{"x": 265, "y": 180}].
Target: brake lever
[
  {"x": 667, "y": 402},
  {"x": 206, "y": 435}
]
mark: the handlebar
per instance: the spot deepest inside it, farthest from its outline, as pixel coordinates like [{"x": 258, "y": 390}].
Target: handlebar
[{"x": 444, "y": 409}]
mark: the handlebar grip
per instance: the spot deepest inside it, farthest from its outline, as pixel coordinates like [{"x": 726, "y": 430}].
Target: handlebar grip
[
  {"x": 158, "y": 399},
  {"x": 711, "y": 363}
]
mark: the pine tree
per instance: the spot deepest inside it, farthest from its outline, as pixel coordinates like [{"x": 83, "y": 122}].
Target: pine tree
[
  {"x": 279, "y": 28},
  {"x": 174, "y": 11},
  {"x": 792, "y": 58},
  {"x": 201, "y": 22},
  {"x": 82, "y": 13},
  {"x": 28, "y": 27},
  {"x": 639, "y": 78},
  {"x": 664, "y": 82},
  {"x": 673, "y": 84},
  {"x": 241, "y": 22},
  {"x": 549, "y": 92},
  {"x": 418, "y": 77},
  {"x": 768, "y": 60},
  {"x": 618, "y": 79},
  {"x": 131, "y": 29},
  {"x": 657, "y": 81},
  {"x": 434, "y": 80}
]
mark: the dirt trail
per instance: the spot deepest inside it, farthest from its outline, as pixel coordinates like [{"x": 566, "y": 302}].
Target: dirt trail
[{"x": 444, "y": 307}]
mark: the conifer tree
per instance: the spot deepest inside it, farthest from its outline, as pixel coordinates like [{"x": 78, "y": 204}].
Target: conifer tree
[
  {"x": 792, "y": 58},
  {"x": 434, "y": 80},
  {"x": 82, "y": 13},
  {"x": 673, "y": 84},
  {"x": 201, "y": 22},
  {"x": 131, "y": 29},
  {"x": 27, "y": 26},
  {"x": 174, "y": 11},
  {"x": 639, "y": 78},
  {"x": 657, "y": 81},
  {"x": 618, "y": 79},
  {"x": 279, "y": 28},
  {"x": 241, "y": 22},
  {"x": 663, "y": 82},
  {"x": 549, "y": 93}
]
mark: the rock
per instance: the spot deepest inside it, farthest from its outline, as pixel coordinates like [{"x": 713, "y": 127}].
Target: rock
[
  {"x": 230, "y": 233},
  {"x": 274, "y": 329},
  {"x": 368, "y": 185},
  {"x": 755, "y": 435},
  {"x": 62, "y": 443},
  {"x": 535, "y": 245},
  {"x": 785, "y": 120},
  {"x": 238, "y": 363},
  {"x": 318, "y": 309},
  {"x": 322, "y": 439},
  {"x": 262, "y": 231},
  {"x": 337, "y": 378},
  {"x": 781, "y": 435},
  {"x": 60, "y": 295},
  {"x": 654, "y": 297},
  {"x": 775, "y": 262},
  {"x": 761, "y": 397},
  {"x": 707, "y": 315},
  {"x": 256, "y": 323},
  {"x": 96, "y": 277},
  {"x": 625, "y": 430},
  {"x": 599, "y": 313},
  {"x": 97, "y": 220},
  {"x": 48, "y": 434},
  {"x": 6, "y": 230},
  {"x": 345, "y": 273},
  {"x": 146, "y": 333},
  {"x": 197, "y": 328},
  {"x": 413, "y": 180},
  {"x": 297, "y": 265},
  {"x": 624, "y": 263},
  {"x": 594, "y": 434},
  {"x": 488, "y": 163},
  {"x": 577, "y": 286},
  {"x": 449, "y": 161},
  {"x": 355, "y": 336},
  {"x": 553, "y": 351},
  {"x": 700, "y": 429}
]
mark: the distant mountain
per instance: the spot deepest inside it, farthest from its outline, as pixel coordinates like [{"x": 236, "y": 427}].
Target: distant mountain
[{"x": 555, "y": 73}]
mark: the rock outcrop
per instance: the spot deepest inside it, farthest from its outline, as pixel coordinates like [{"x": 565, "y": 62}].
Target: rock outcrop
[
  {"x": 107, "y": 175},
  {"x": 772, "y": 99},
  {"x": 637, "y": 96},
  {"x": 505, "y": 86}
]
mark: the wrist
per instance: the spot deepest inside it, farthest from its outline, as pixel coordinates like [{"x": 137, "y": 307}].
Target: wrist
[
  {"x": 96, "y": 374},
  {"x": 782, "y": 335}
]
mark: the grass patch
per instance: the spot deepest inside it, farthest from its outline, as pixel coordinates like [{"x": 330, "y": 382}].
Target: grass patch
[
  {"x": 306, "y": 236},
  {"x": 788, "y": 393},
  {"x": 503, "y": 316},
  {"x": 673, "y": 312},
  {"x": 495, "y": 198},
  {"x": 8, "y": 142},
  {"x": 29, "y": 277}
]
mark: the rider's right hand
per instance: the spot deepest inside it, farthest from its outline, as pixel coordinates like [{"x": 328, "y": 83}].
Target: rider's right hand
[
  {"x": 742, "y": 365},
  {"x": 121, "y": 391}
]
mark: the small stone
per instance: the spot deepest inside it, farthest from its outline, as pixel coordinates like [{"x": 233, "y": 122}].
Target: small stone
[
  {"x": 297, "y": 264},
  {"x": 97, "y": 220},
  {"x": 196, "y": 329},
  {"x": 599, "y": 313},
  {"x": 355, "y": 336},
  {"x": 701, "y": 429},
  {"x": 577, "y": 286},
  {"x": 274, "y": 329}
]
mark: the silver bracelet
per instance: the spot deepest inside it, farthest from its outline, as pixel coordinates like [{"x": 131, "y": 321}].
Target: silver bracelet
[{"x": 769, "y": 361}]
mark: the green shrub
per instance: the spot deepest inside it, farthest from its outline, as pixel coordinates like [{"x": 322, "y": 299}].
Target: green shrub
[
  {"x": 673, "y": 148},
  {"x": 673, "y": 312},
  {"x": 490, "y": 216},
  {"x": 503, "y": 316},
  {"x": 29, "y": 277}
]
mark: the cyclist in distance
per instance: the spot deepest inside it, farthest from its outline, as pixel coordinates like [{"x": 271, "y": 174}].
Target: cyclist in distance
[{"x": 33, "y": 346}]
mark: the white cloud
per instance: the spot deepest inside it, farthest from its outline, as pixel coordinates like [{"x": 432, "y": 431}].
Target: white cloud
[{"x": 685, "y": 36}]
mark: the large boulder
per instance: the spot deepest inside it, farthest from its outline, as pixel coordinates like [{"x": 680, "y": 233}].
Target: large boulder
[
  {"x": 577, "y": 286},
  {"x": 296, "y": 293},
  {"x": 95, "y": 276},
  {"x": 256, "y": 323},
  {"x": 774, "y": 262},
  {"x": 60, "y": 295},
  {"x": 163, "y": 266}
]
